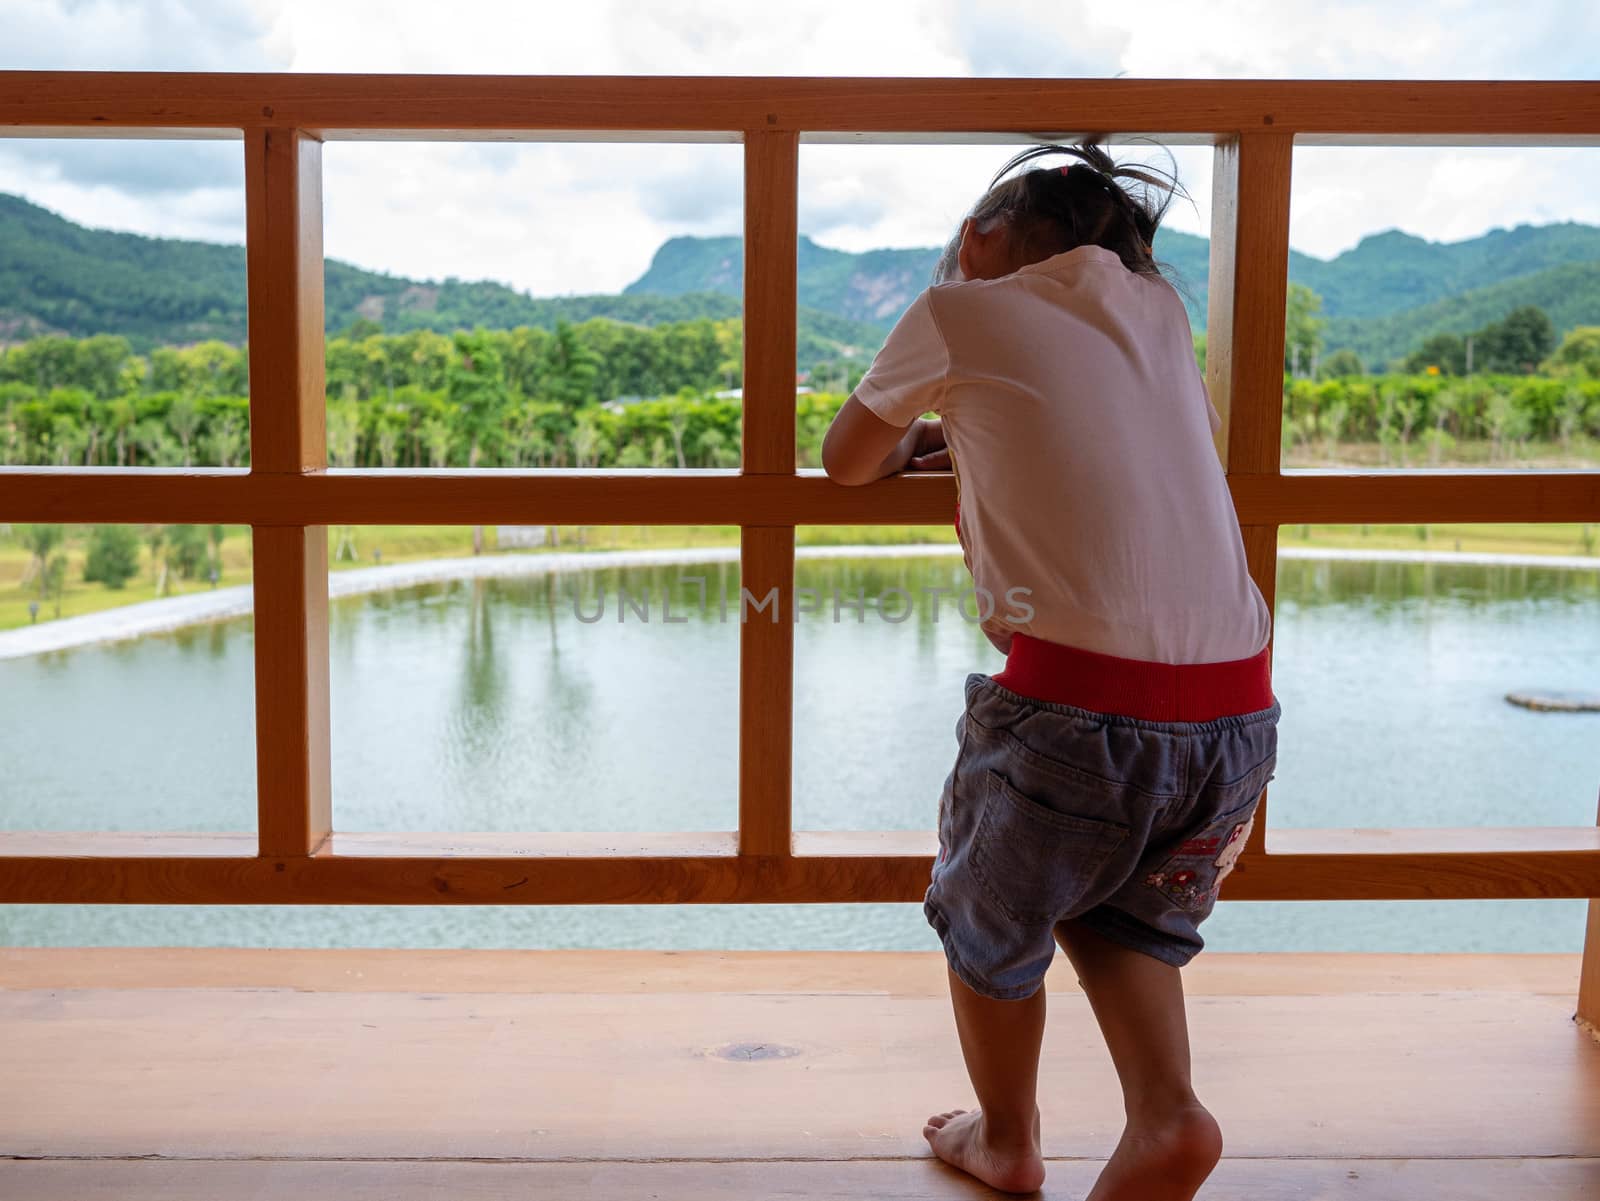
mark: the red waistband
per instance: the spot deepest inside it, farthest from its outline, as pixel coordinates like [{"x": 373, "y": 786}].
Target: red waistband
[{"x": 1065, "y": 675}]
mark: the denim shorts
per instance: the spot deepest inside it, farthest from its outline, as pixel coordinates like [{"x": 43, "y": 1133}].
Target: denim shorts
[{"x": 1053, "y": 813}]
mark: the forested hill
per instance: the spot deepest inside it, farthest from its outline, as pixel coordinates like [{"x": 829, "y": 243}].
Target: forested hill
[
  {"x": 873, "y": 286},
  {"x": 1382, "y": 297},
  {"x": 58, "y": 277}
]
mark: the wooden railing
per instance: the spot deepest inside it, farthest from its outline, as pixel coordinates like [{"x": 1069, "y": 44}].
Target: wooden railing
[{"x": 289, "y": 497}]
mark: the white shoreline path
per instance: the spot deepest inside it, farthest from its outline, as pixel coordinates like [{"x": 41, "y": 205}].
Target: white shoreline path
[{"x": 175, "y": 612}]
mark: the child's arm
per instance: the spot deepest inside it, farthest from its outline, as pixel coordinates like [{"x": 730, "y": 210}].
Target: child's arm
[
  {"x": 861, "y": 447},
  {"x": 877, "y": 431}
]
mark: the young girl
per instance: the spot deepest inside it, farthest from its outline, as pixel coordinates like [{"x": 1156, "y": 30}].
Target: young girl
[{"x": 1106, "y": 778}]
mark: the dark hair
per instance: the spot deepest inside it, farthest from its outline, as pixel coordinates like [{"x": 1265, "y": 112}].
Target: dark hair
[{"x": 1092, "y": 202}]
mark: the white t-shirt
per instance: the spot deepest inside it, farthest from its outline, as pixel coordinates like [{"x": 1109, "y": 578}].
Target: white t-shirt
[{"x": 1081, "y": 435}]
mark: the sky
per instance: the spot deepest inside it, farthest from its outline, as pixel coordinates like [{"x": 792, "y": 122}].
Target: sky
[{"x": 563, "y": 219}]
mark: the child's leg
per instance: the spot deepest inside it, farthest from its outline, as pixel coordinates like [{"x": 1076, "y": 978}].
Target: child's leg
[
  {"x": 999, "y": 1142},
  {"x": 1170, "y": 1143}
]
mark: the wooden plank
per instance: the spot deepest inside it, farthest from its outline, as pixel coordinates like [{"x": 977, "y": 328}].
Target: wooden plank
[
  {"x": 914, "y": 1179},
  {"x": 1589, "y": 974},
  {"x": 695, "y": 497},
  {"x": 124, "y": 844},
  {"x": 766, "y": 691},
  {"x": 1244, "y": 338},
  {"x": 1249, "y": 283},
  {"x": 209, "y": 1073},
  {"x": 1403, "y": 497},
  {"x": 1351, "y": 841},
  {"x": 766, "y": 642},
  {"x": 293, "y": 764},
  {"x": 283, "y": 196},
  {"x": 1564, "y": 113},
  {"x": 1464, "y": 840},
  {"x": 1261, "y": 557},
  {"x": 558, "y": 844},
  {"x": 892, "y": 973},
  {"x": 441, "y": 876},
  {"x": 771, "y": 189},
  {"x": 283, "y": 222}
]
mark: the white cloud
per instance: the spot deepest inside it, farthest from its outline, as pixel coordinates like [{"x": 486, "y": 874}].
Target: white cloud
[
  {"x": 547, "y": 219},
  {"x": 1036, "y": 38},
  {"x": 574, "y": 218},
  {"x": 138, "y": 35},
  {"x": 861, "y": 197},
  {"x": 1359, "y": 39},
  {"x": 172, "y": 189},
  {"x": 1341, "y": 194}
]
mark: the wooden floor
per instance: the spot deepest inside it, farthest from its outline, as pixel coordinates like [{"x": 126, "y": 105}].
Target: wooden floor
[{"x": 402, "y": 1075}]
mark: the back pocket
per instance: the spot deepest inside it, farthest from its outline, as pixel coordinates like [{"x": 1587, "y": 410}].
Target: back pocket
[
  {"x": 1191, "y": 876},
  {"x": 1033, "y": 861}
]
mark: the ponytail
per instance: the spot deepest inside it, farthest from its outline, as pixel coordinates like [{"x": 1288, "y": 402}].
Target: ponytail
[{"x": 1091, "y": 202}]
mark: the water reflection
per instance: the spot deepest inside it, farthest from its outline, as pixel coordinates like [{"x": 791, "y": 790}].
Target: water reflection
[
  {"x": 488, "y": 705},
  {"x": 1386, "y": 584}
]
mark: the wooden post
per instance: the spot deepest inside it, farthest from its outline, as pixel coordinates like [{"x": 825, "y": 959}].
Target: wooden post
[
  {"x": 766, "y": 563},
  {"x": 1589, "y": 974},
  {"x": 1245, "y": 329},
  {"x": 283, "y": 193}
]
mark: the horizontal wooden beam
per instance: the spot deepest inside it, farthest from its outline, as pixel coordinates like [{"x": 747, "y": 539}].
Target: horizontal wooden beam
[
  {"x": 845, "y": 866},
  {"x": 1321, "y": 498},
  {"x": 711, "y": 497},
  {"x": 356, "y": 105}
]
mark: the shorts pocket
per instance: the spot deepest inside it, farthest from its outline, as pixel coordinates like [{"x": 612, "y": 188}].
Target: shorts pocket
[
  {"x": 1033, "y": 861},
  {"x": 1191, "y": 876}
]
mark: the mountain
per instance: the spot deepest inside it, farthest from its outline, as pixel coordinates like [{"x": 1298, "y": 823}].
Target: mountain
[
  {"x": 1570, "y": 294},
  {"x": 1393, "y": 272},
  {"x": 873, "y": 286},
  {"x": 58, "y": 277},
  {"x": 1381, "y": 297}
]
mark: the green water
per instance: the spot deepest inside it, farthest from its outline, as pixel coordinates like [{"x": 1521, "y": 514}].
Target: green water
[{"x": 490, "y": 705}]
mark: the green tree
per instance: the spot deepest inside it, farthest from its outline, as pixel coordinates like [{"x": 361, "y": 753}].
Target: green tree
[
  {"x": 155, "y": 537},
  {"x": 40, "y": 541},
  {"x": 1340, "y": 364},
  {"x": 54, "y": 579},
  {"x": 344, "y": 431},
  {"x": 362, "y": 328},
  {"x": 113, "y": 557},
  {"x": 186, "y": 550},
  {"x": 1579, "y": 351},
  {"x": 1518, "y": 343},
  {"x": 1302, "y": 339},
  {"x": 571, "y": 369},
  {"x": 183, "y": 419},
  {"x": 1446, "y": 352}
]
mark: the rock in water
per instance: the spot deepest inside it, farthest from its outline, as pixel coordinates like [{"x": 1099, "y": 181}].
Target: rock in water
[{"x": 1556, "y": 700}]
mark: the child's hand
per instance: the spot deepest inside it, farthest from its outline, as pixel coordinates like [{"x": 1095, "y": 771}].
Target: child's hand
[
  {"x": 930, "y": 452},
  {"x": 860, "y": 446}
]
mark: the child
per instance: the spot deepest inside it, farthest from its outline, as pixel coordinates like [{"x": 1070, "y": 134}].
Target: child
[{"x": 1106, "y": 778}]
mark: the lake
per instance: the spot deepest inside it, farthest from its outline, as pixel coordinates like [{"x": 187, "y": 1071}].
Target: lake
[{"x": 526, "y": 704}]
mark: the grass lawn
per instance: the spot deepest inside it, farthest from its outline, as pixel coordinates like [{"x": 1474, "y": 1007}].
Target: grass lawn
[{"x": 399, "y": 544}]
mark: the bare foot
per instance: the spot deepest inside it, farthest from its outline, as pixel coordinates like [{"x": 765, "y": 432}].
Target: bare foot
[
  {"x": 1164, "y": 1160},
  {"x": 959, "y": 1138}
]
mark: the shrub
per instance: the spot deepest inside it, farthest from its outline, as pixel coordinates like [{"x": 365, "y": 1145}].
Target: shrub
[{"x": 113, "y": 555}]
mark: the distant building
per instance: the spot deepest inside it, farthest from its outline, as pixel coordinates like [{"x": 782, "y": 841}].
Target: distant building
[{"x": 521, "y": 537}]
